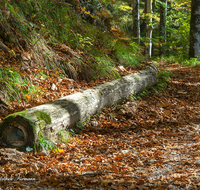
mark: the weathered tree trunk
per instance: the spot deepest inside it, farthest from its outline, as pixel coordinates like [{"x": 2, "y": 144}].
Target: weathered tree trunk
[
  {"x": 163, "y": 27},
  {"x": 136, "y": 21},
  {"x": 195, "y": 30},
  {"x": 149, "y": 26},
  {"x": 22, "y": 129}
]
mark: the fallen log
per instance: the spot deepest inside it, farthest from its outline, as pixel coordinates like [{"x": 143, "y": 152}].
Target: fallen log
[{"x": 22, "y": 129}]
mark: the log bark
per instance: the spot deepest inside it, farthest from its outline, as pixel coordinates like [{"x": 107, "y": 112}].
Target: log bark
[{"x": 22, "y": 129}]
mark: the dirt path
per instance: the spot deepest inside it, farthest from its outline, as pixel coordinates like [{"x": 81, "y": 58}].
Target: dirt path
[{"x": 154, "y": 144}]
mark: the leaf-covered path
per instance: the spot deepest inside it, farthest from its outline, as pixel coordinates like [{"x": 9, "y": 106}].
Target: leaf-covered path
[{"x": 148, "y": 144}]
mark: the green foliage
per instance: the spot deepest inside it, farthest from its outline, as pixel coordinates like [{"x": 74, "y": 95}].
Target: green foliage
[
  {"x": 123, "y": 15},
  {"x": 87, "y": 120},
  {"x": 43, "y": 116},
  {"x": 79, "y": 125},
  {"x": 42, "y": 143},
  {"x": 64, "y": 136},
  {"x": 43, "y": 119},
  {"x": 127, "y": 54},
  {"x": 14, "y": 87},
  {"x": 163, "y": 77},
  {"x": 99, "y": 111},
  {"x": 180, "y": 60},
  {"x": 140, "y": 96},
  {"x": 178, "y": 22},
  {"x": 178, "y": 29},
  {"x": 105, "y": 67},
  {"x": 41, "y": 22},
  {"x": 191, "y": 62}
]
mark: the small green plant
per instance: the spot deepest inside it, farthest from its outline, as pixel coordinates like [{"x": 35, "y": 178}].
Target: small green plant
[
  {"x": 163, "y": 78},
  {"x": 16, "y": 88},
  {"x": 79, "y": 125},
  {"x": 191, "y": 62},
  {"x": 84, "y": 41},
  {"x": 105, "y": 67},
  {"x": 99, "y": 111},
  {"x": 140, "y": 96},
  {"x": 42, "y": 75},
  {"x": 120, "y": 107},
  {"x": 64, "y": 136},
  {"x": 114, "y": 104},
  {"x": 87, "y": 120},
  {"x": 127, "y": 54},
  {"x": 134, "y": 96},
  {"x": 45, "y": 144}
]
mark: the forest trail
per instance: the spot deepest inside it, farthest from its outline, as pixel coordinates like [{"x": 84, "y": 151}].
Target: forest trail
[{"x": 156, "y": 147}]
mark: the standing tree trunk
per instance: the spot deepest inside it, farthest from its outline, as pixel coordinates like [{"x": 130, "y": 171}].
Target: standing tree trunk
[
  {"x": 153, "y": 20},
  {"x": 136, "y": 21},
  {"x": 149, "y": 26},
  {"x": 195, "y": 30},
  {"x": 163, "y": 27}
]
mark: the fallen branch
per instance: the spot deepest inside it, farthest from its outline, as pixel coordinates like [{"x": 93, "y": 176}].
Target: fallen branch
[{"x": 4, "y": 47}]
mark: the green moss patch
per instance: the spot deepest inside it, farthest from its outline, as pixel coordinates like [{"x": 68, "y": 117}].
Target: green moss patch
[{"x": 43, "y": 116}]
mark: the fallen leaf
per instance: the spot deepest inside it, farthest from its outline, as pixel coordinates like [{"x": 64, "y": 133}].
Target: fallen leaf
[
  {"x": 196, "y": 138},
  {"x": 140, "y": 182},
  {"x": 115, "y": 169}
]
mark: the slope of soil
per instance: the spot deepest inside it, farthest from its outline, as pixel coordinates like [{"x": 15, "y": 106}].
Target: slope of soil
[{"x": 149, "y": 144}]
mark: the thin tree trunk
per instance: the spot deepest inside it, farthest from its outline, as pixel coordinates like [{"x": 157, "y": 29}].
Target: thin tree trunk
[
  {"x": 153, "y": 20},
  {"x": 195, "y": 30},
  {"x": 149, "y": 27},
  {"x": 163, "y": 27},
  {"x": 136, "y": 21}
]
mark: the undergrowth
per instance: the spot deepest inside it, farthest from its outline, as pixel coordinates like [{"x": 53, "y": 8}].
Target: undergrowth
[
  {"x": 179, "y": 60},
  {"x": 54, "y": 35},
  {"x": 17, "y": 88}
]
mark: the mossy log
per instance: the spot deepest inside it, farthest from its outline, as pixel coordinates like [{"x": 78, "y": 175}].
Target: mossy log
[{"x": 22, "y": 129}]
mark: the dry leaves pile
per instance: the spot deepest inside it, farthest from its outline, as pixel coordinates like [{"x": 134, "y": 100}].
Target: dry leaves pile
[{"x": 149, "y": 144}]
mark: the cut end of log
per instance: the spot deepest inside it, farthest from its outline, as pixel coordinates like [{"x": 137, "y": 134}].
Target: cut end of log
[{"x": 17, "y": 134}]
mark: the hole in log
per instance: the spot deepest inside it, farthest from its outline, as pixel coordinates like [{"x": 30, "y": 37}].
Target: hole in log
[
  {"x": 16, "y": 136},
  {"x": 17, "y": 133}
]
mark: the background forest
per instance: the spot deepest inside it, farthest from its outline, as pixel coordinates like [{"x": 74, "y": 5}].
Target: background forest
[{"x": 45, "y": 43}]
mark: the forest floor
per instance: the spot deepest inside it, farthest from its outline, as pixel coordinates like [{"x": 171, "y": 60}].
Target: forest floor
[{"x": 152, "y": 143}]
